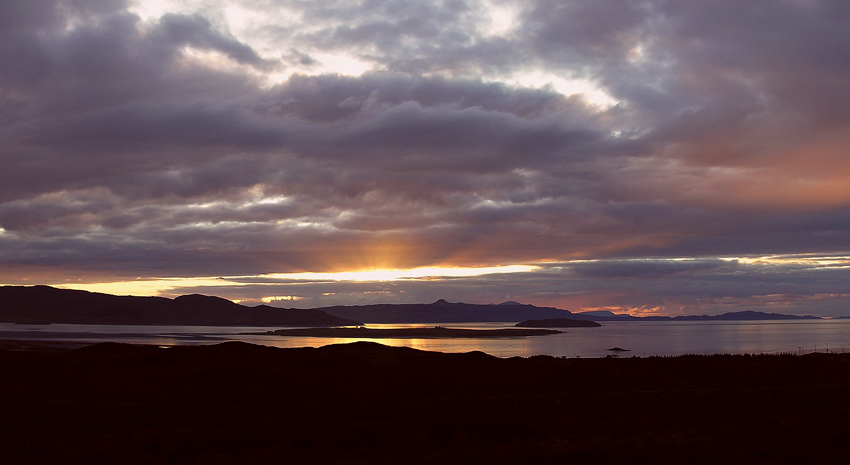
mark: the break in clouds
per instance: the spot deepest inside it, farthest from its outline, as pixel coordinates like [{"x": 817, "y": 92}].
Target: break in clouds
[{"x": 645, "y": 156}]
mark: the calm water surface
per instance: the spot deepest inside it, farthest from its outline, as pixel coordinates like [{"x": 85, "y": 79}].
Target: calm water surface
[{"x": 640, "y": 338}]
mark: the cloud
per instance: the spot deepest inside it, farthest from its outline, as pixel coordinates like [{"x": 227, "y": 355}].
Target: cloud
[
  {"x": 645, "y": 268},
  {"x": 274, "y": 136},
  {"x": 197, "y": 31}
]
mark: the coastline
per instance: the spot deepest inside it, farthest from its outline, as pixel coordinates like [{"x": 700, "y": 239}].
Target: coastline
[{"x": 642, "y": 339}]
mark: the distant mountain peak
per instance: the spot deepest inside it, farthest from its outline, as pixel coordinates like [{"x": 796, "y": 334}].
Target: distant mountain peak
[
  {"x": 607, "y": 313},
  {"x": 511, "y": 303},
  {"x": 442, "y": 311},
  {"x": 199, "y": 297},
  {"x": 43, "y": 304}
]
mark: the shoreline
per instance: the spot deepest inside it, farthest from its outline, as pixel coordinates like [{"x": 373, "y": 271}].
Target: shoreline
[
  {"x": 49, "y": 345},
  {"x": 643, "y": 340}
]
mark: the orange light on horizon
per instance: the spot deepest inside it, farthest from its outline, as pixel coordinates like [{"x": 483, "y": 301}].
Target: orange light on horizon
[
  {"x": 400, "y": 275},
  {"x": 145, "y": 287},
  {"x": 164, "y": 286}
]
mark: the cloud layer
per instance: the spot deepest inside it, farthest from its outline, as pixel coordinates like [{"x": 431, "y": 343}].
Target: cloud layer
[{"x": 599, "y": 140}]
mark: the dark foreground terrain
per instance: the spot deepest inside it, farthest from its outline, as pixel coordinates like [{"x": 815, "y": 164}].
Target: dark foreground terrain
[{"x": 368, "y": 403}]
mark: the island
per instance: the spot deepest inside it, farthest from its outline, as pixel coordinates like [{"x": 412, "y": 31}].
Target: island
[
  {"x": 558, "y": 323},
  {"x": 443, "y": 312},
  {"x": 437, "y": 332}
]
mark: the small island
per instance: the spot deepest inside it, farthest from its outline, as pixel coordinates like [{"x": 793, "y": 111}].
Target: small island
[
  {"x": 437, "y": 332},
  {"x": 558, "y": 323}
]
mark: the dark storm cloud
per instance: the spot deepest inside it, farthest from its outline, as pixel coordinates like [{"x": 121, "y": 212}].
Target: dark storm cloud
[
  {"x": 125, "y": 147},
  {"x": 643, "y": 268},
  {"x": 335, "y": 97},
  {"x": 731, "y": 84},
  {"x": 105, "y": 62},
  {"x": 596, "y": 34},
  {"x": 743, "y": 72},
  {"x": 197, "y": 31}
]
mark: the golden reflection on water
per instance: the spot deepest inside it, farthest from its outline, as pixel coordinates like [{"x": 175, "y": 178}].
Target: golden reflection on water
[{"x": 640, "y": 338}]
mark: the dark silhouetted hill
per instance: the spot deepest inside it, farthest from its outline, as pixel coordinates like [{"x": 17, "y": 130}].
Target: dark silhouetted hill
[
  {"x": 747, "y": 315},
  {"x": 442, "y": 311},
  {"x": 445, "y": 312},
  {"x": 365, "y": 403},
  {"x": 558, "y": 323},
  {"x": 44, "y": 304}
]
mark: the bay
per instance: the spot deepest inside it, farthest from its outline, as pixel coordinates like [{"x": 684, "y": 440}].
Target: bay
[{"x": 638, "y": 338}]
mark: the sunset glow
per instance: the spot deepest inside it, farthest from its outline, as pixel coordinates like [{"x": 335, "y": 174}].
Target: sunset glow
[
  {"x": 657, "y": 157},
  {"x": 296, "y": 195},
  {"x": 165, "y": 286},
  {"x": 397, "y": 275},
  {"x": 145, "y": 287}
]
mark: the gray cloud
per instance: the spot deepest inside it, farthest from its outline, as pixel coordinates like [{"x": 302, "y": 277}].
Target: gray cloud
[
  {"x": 644, "y": 268},
  {"x": 197, "y": 31},
  {"x": 125, "y": 152},
  {"x": 408, "y": 36}
]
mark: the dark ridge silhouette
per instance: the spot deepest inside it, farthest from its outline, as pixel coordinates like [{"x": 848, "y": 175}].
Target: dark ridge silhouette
[
  {"x": 44, "y": 304},
  {"x": 558, "y": 323},
  {"x": 437, "y": 332},
  {"x": 442, "y": 311},
  {"x": 747, "y": 315},
  {"x": 445, "y": 312},
  {"x": 365, "y": 403}
]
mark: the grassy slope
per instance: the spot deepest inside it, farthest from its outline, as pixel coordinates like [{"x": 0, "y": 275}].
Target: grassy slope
[{"x": 366, "y": 403}]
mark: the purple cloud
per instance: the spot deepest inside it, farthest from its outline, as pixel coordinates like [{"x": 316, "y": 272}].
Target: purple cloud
[{"x": 194, "y": 143}]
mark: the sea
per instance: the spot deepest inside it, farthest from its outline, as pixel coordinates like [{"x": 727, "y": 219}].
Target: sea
[{"x": 636, "y": 338}]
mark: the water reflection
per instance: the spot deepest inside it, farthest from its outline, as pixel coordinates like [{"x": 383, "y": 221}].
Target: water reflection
[{"x": 640, "y": 338}]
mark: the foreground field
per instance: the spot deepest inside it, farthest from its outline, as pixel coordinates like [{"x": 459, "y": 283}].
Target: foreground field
[{"x": 368, "y": 403}]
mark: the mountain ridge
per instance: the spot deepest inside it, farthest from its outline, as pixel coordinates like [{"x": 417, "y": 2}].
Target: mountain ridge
[
  {"x": 744, "y": 315},
  {"x": 45, "y": 304},
  {"x": 443, "y": 311}
]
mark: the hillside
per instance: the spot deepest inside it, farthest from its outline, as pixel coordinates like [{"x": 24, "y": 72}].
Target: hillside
[
  {"x": 747, "y": 315},
  {"x": 364, "y": 403},
  {"x": 445, "y": 312},
  {"x": 44, "y": 304}
]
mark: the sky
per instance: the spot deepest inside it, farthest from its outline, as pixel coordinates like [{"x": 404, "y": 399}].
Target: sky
[{"x": 645, "y": 157}]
